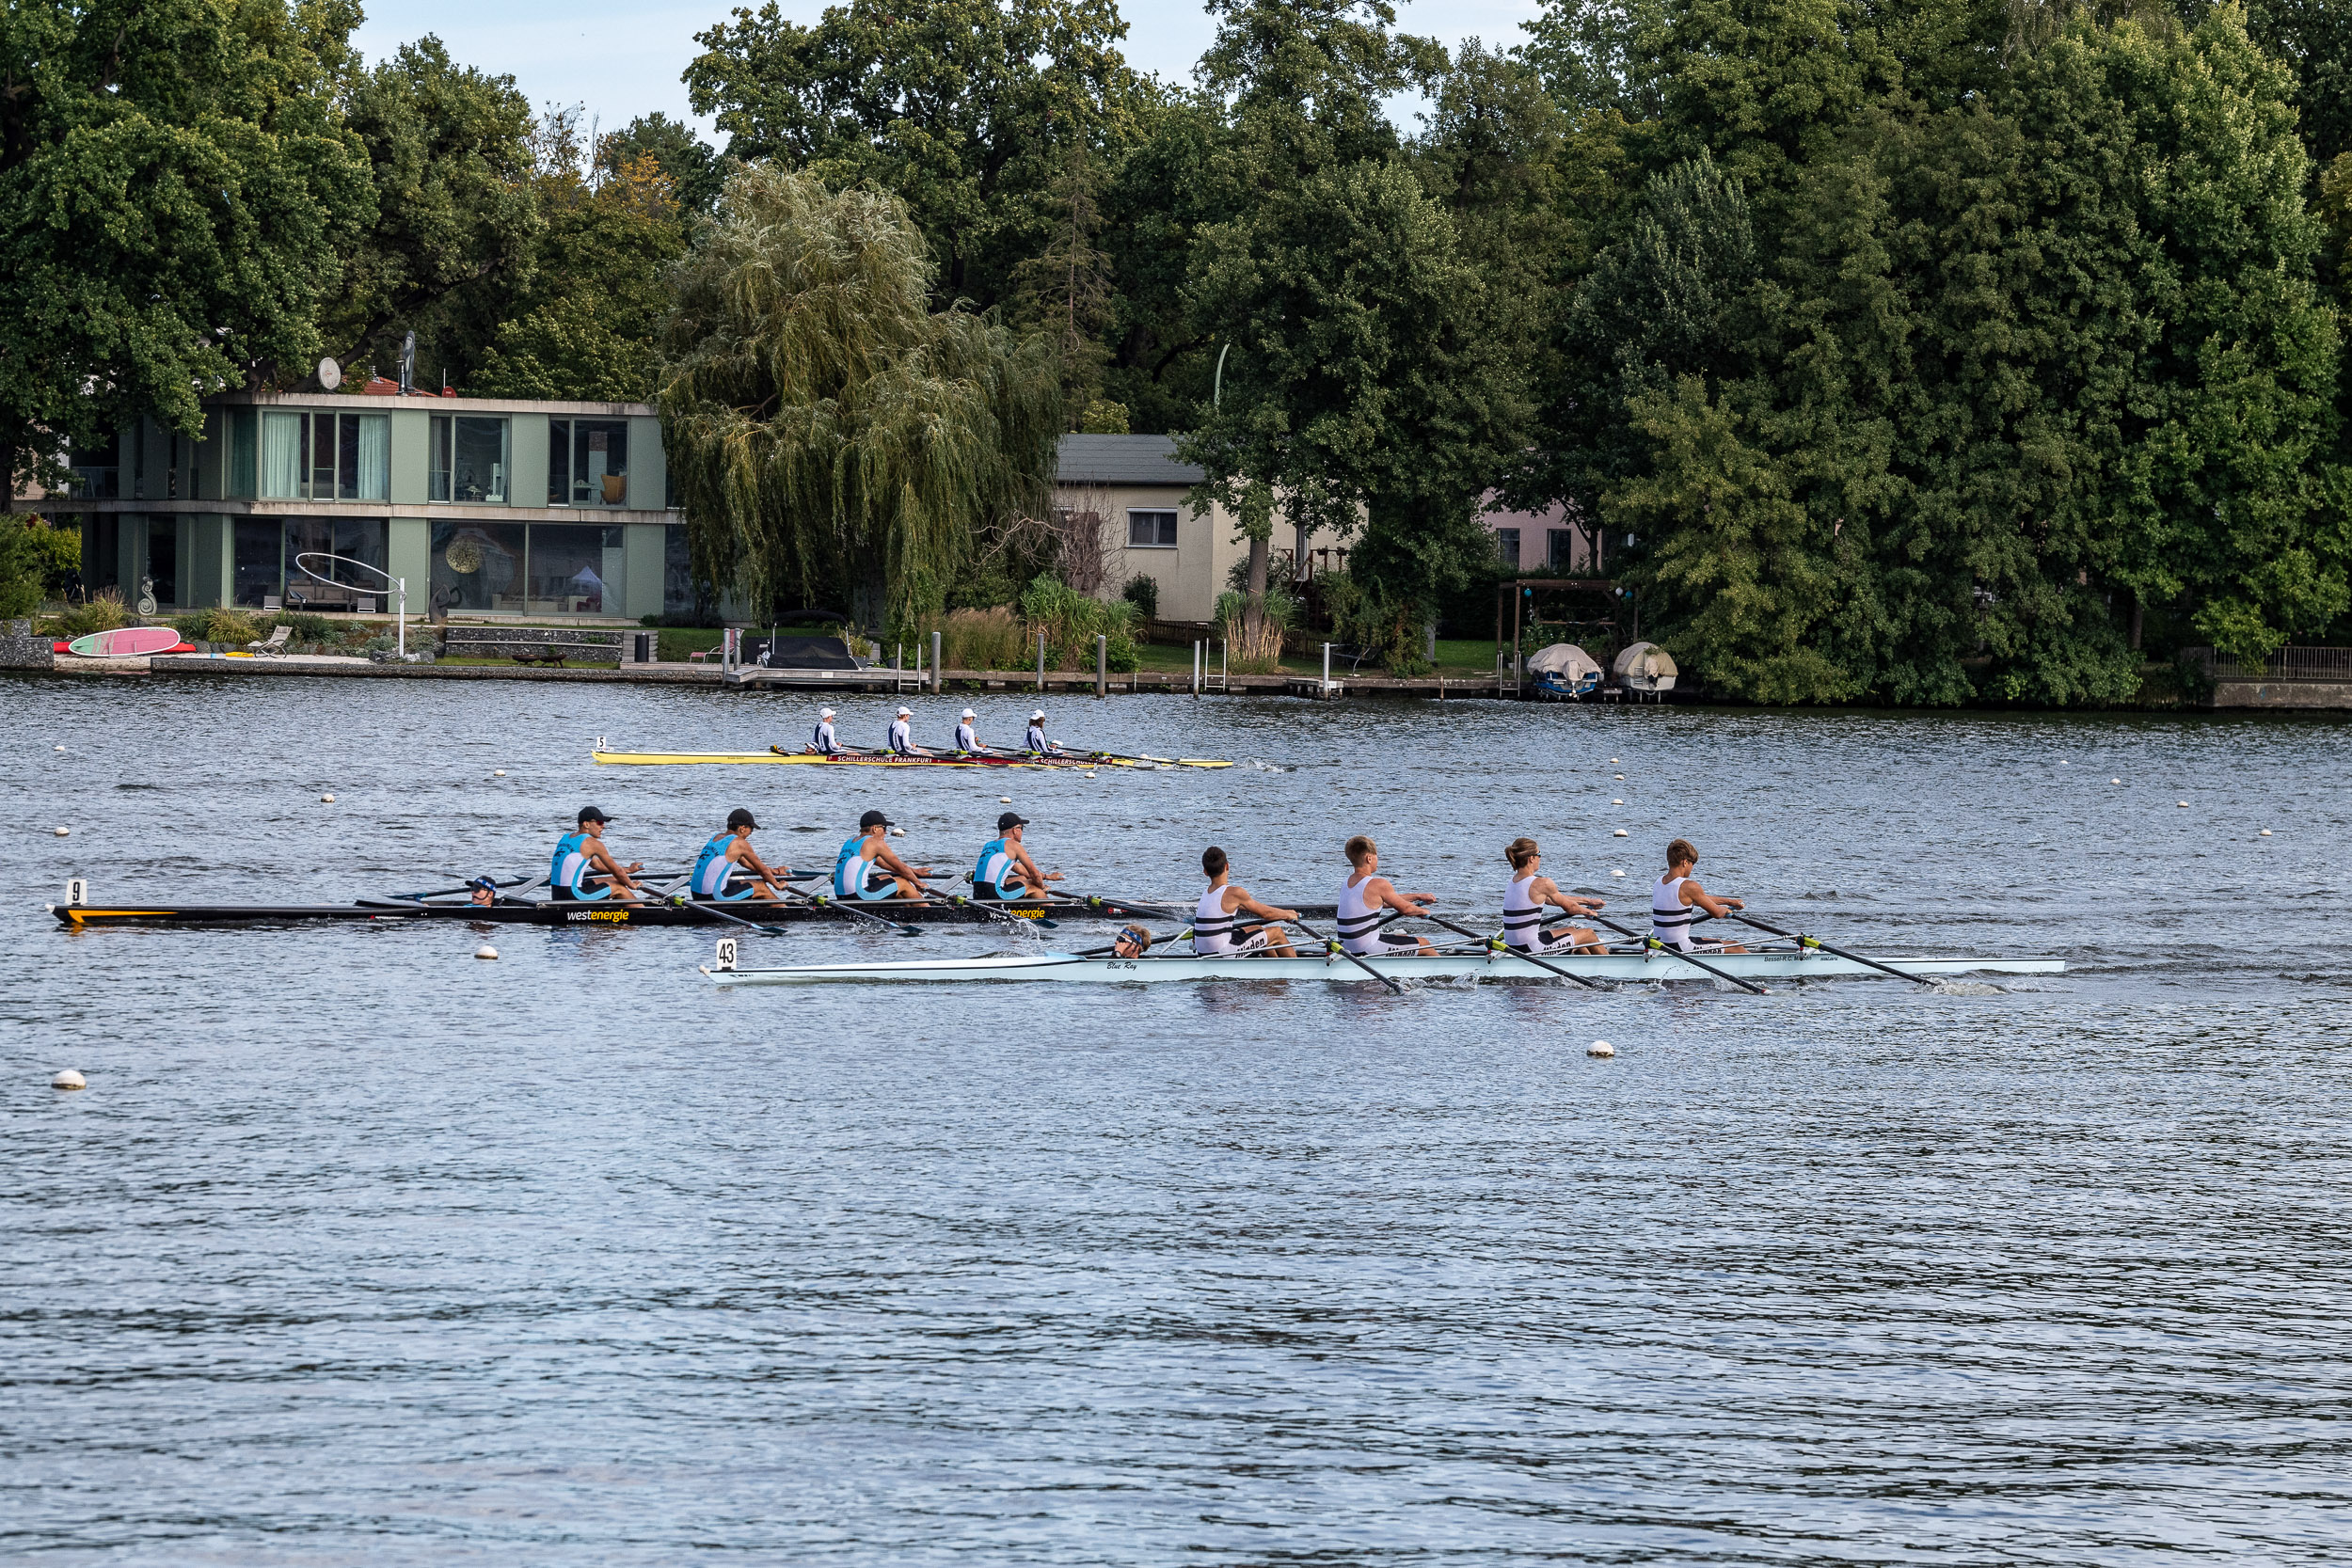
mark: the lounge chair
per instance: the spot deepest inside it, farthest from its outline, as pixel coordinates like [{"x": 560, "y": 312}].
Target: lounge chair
[{"x": 275, "y": 643}]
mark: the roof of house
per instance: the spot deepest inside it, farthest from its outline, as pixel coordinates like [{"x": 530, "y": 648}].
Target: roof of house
[{"x": 1122, "y": 460}]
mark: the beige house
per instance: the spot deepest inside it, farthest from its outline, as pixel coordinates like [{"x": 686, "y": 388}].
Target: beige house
[{"x": 1135, "y": 488}]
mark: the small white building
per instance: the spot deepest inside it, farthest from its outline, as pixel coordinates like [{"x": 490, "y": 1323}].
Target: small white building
[
  {"x": 1134, "y": 487},
  {"x": 1554, "y": 540}
]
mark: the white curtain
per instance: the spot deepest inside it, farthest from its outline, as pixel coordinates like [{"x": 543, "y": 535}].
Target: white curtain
[
  {"x": 281, "y": 455},
  {"x": 375, "y": 456}
]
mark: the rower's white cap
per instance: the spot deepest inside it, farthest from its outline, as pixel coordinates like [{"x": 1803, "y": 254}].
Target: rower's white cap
[
  {"x": 969, "y": 714},
  {"x": 906, "y": 713},
  {"x": 1039, "y": 714},
  {"x": 824, "y": 713}
]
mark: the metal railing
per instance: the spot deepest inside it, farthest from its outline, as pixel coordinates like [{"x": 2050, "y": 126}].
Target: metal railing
[{"x": 2287, "y": 664}]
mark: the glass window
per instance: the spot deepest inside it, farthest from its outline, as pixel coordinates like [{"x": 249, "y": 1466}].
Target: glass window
[
  {"x": 97, "y": 470},
  {"x": 1560, "y": 549},
  {"x": 243, "y": 443},
  {"x": 282, "y": 459},
  {"x": 575, "y": 569},
  {"x": 677, "y": 573},
  {"x": 1507, "y": 546},
  {"x": 587, "y": 462},
  {"x": 320, "y": 459},
  {"x": 1151, "y": 530},
  {"x": 363, "y": 457},
  {"x": 477, "y": 565},
  {"x": 469, "y": 459},
  {"x": 260, "y": 569},
  {"x": 102, "y": 551},
  {"x": 162, "y": 558},
  {"x": 361, "y": 539}
]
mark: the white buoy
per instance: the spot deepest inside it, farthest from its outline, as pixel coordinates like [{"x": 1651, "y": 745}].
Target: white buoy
[
  {"x": 62, "y": 832},
  {"x": 1004, "y": 800},
  {"x": 897, "y": 832},
  {"x": 1616, "y": 873},
  {"x": 1619, "y": 834},
  {"x": 69, "y": 1079},
  {"x": 2266, "y": 833},
  {"x": 2115, "y": 781},
  {"x": 1612, "y": 760},
  {"x": 498, "y": 774},
  {"x": 327, "y": 799},
  {"x": 56, "y": 748},
  {"x": 1601, "y": 1048},
  {"x": 1621, "y": 777},
  {"x": 1090, "y": 775},
  {"x": 2182, "y": 804},
  {"x": 1616, "y": 802},
  {"x": 485, "y": 951}
]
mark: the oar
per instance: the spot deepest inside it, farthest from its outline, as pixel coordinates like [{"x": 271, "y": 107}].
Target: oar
[
  {"x": 1105, "y": 904},
  {"x": 1496, "y": 944},
  {"x": 682, "y": 901},
  {"x": 1653, "y": 945},
  {"x": 524, "y": 882},
  {"x": 1330, "y": 945},
  {"x": 826, "y": 901},
  {"x": 1802, "y": 941}
]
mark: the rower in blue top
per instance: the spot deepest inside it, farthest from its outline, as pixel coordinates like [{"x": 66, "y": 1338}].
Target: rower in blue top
[
  {"x": 867, "y": 868},
  {"x": 730, "y": 849},
  {"x": 901, "y": 741},
  {"x": 585, "y": 870},
  {"x": 820, "y": 739},
  {"x": 1005, "y": 871}
]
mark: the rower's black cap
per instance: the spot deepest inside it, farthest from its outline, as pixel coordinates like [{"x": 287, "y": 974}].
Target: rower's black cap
[
  {"x": 872, "y": 820},
  {"x": 1011, "y": 820},
  {"x": 589, "y": 814},
  {"x": 491, "y": 883},
  {"x": 740, "y": 817}
]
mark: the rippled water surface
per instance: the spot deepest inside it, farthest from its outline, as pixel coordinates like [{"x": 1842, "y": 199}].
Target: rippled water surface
[{"x": 358, "y": 1250}]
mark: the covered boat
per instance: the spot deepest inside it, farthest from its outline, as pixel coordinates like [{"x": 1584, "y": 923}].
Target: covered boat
[
  {"x": 1644, "y": 669},
  {"x": 1563, "y": 672}
]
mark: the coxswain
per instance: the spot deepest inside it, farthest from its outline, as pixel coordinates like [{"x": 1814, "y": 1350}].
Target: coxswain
[
  {"x": 1213, "y": 932},
  {"x": 485, "y": 891},
  {"x": 820, "y": 740},
  {"x": 585, "y": 870},
  {"x": 1364, "y": 898},
  {"x": 902, "y": 743},
  {"x": 719, "y": 858},
  {"x": 867, "y": 868},
  {"x": 1528, "y": 894},
  {"x": 1035, "y": 739},
  {"x": 1677, "y": 902},
  {"x": 1005, "y": 870},
  {"x": 967, "y": 738}
]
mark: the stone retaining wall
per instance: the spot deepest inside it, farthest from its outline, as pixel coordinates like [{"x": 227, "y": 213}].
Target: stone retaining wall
[{"x": 20, "y": 649}]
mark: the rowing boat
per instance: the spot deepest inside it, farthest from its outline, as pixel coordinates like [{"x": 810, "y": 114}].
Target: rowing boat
[
  {"x": 1628, "y": 967},
  {"x": 545, "y": 912},
  {"x": 862, "y": 759}
]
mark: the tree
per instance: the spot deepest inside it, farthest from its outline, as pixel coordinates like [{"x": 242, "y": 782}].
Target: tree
[
  {"x": 457, "y": 217},
  {"x": 827, "y": 429},
  {"x": 684, "y": 159},
  {"x": 584, "y": 324},
  {"x": 176, "y": 197},
  {"x": 966, "y": 110}
]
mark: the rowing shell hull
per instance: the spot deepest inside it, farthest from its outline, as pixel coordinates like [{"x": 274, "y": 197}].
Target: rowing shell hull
[
  {"x": 83, "y": 917},
  {"x": 672, "y": 759},
  {"x": 1626, "y": 967}
]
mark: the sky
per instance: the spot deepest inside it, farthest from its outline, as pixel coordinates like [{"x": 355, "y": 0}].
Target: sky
[{"x": 621, "y": 58}]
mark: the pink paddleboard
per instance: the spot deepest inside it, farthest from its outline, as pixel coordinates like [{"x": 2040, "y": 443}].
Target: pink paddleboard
[{"x": 125, "y": 643}]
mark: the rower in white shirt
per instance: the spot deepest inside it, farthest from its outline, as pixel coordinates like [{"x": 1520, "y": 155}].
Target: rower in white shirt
[
  {"x": 1035, "y": 739},
  {"x": 902, "y": 743},
  {"x": 820, "y": 739},
  {"x": 1366, "y": 900},
  {"x": 967, "y": 740},
  {"x": 1217, "y": 929}
]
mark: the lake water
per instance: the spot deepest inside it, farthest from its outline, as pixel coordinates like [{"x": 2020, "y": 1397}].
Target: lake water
[{"x": 358, "y": 1250}]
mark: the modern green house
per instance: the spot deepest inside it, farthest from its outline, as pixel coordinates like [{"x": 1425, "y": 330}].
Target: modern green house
[{"x": 487, "y": 507}]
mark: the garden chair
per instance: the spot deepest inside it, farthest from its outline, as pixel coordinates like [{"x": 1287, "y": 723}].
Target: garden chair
[{"x": 275, "y": 643}]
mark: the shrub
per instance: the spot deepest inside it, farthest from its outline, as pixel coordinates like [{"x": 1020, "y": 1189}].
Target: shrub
[
  {"x": 979, "y": 639},
  {"x": 308, "y": 628},
  {"x": 1143, "y": 592},
  {"x": 104, "y": 612},
  {"x": 232, "y": 626},
  {"x": 1262, "y": 654},
  {"x": 1072, "y": 621}
]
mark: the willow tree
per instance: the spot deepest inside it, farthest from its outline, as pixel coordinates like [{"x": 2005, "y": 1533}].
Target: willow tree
[{"x": 829, "y": 433}]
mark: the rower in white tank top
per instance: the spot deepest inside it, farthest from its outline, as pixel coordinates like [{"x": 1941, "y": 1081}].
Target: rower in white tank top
[
  {"x": 1528, "y": 894},
  {"x": 1366, "y": 898},
  {"x": 1215, "y": 919},
  {"x": 1677, "y": 901}
]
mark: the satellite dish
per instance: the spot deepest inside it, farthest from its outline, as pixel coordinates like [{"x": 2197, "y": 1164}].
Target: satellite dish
[{"x": 330, "y": 375}]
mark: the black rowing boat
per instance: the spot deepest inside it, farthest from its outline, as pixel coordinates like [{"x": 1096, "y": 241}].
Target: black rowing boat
[{"x": 543, "y": 912}]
